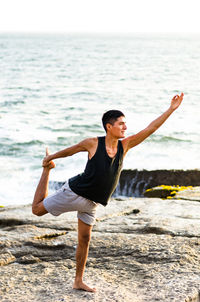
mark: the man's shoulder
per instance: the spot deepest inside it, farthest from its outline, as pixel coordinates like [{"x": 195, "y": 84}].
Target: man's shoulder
[
  {"x": 90, "y": 141},
  {"x": 89, "y": 144}
]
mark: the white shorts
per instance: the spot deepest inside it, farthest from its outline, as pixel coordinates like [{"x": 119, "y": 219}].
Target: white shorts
[{"x": 65, "y": 200}]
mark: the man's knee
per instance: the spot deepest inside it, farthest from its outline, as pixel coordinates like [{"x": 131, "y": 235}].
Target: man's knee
[
  {"x": 84, "y": 232},
  {"x": 39, "y": 209},
  {"x": 84, "y": 238}
]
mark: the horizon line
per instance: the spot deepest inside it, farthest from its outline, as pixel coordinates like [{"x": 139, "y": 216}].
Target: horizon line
[{"x": 99, "y": 32}]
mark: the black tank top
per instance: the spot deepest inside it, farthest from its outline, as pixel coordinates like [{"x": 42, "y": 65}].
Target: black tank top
[{"x": 101, "y": 175}]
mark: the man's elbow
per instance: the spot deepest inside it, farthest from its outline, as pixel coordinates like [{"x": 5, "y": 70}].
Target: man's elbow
[{"x": 151, "y": 129}]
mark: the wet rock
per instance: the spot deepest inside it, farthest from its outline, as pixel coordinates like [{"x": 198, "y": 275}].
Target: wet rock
[
  {"x": 164, "y": 191},
  {"x": 159, "y": 192},
  {"x": 175, "y": 192},
  {"x": 135, "y": 182}
]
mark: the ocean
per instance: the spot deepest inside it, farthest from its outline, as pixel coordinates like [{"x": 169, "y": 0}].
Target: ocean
[{"x": 54, "y": 89}]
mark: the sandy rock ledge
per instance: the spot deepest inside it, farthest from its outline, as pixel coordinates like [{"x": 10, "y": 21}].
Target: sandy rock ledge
[{"x": 142, "y": 249}]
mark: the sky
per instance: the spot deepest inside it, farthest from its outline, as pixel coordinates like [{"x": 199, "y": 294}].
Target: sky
[{"x": 124, "y": 16}]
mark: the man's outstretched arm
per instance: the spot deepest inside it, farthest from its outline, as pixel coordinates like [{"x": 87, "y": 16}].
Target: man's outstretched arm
[
  {"x": 136, "y": 139},
  {"x": 85, "y": 145}
]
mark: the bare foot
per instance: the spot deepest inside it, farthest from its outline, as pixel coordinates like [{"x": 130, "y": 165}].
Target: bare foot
[
  {"x": 51, "y": 165},
  {"x": 82, "y": 286},
  {"x": 46, "y": 163}
]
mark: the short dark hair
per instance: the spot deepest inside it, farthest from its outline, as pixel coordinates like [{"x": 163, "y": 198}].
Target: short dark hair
[{"x": 110, "y": 117}]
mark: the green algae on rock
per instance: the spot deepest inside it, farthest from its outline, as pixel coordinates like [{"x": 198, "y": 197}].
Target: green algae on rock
[{"x": 164, "y": 191}]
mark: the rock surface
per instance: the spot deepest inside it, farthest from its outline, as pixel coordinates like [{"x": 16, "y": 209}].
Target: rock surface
[
  {"x": 189, "y": 194},
  {"x": 135, "y": 182},
  {"x": 142, "y": 249},
  {"x": 177, "y": 192}
]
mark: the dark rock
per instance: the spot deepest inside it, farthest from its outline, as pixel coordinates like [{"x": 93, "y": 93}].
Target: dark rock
[
  {"x": 161, "y": 192},
  {"x": 134, "y": 182},
  {"x": 28, "y": 259}
]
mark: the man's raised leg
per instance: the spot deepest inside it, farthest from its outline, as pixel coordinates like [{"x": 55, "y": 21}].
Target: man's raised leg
[
  {"x": 42, "y": 190},
  {"x": 84, "y": 235}
]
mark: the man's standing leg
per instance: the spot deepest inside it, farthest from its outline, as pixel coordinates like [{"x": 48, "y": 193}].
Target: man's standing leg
[
  {"x": 84, "y": 235},
  {"x": 42, "y": 190}
]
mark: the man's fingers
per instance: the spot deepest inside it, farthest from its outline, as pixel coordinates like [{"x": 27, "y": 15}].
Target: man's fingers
[
  {"x": 47, "y": 151},
  {"x": 177, "y": 96}
]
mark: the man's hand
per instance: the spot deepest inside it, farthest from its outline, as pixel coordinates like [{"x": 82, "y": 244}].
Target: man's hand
[
  {"x": 176, "y": 101},
  {"x": 139, "y": 137},
  {"x": 47, "y": 159}
]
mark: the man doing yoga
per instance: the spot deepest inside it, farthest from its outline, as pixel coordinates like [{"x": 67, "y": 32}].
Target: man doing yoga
[{"x": 96, "y": 184}]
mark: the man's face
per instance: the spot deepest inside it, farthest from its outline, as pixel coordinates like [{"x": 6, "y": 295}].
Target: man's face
[{"x": 118, "y": 128}]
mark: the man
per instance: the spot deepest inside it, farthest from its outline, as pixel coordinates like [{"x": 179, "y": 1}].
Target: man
[{"x": 85, "y": 191}]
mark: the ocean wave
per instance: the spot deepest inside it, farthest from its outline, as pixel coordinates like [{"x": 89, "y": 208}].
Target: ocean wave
[
  {"x": 12, "y": 103},
  {"x": 164, "y": 139},
  {"x": 20, "y": 149},
  {"x": 14, "y": 145},
  {"x": 58, "y": 129},
  {"x": 26, "y": 89},
  {"x": 29, "y": 143},
  {"x": 83, "y": 93}
]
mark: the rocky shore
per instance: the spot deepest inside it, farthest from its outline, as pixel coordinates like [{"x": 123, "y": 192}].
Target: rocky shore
[
  {"x": 136, "y": 182},
  {"x": 142, "y": 249}
]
